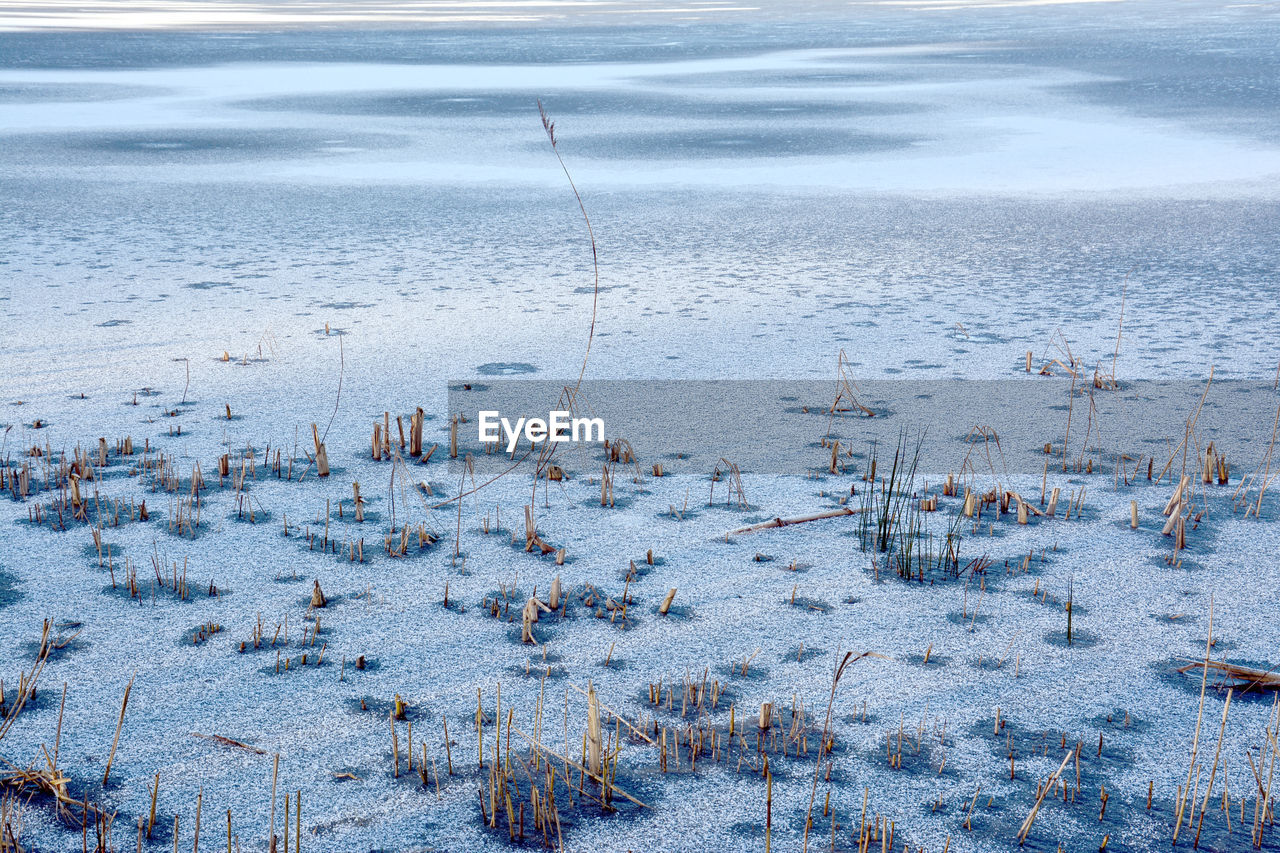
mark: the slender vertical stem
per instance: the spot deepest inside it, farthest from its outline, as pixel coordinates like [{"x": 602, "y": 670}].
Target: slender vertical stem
[
  {"x": 275, "y": 774},
  {"x": 550, "y": 127},
  {"x": 119, "y": 724},
  {"x": 1195, "y": 742},
  {"x": 57, "y": 741}
]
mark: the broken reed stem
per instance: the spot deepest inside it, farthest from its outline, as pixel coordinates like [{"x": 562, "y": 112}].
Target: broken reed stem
[
  {"x": 448, "y": 752},
  {"x": 119, "y": 725},
  {"x": 275, "y": 775},
  {"x": 155, "y": 792},
  {"x": 768, "y": 807},
  {"x": 57, "y": 740},
  {"x": 595, "y": 737},
  {"x": 1049, "y": 784},
  {"x": 395, "y": 746}
]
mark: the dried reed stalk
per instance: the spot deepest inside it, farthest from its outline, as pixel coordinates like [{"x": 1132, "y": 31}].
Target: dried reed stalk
[
  {"x": 784, "y": 522},
  {"x": 119, "y": 725}
]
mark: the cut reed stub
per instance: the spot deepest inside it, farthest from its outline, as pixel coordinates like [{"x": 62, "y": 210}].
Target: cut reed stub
[
  {"x": 666, "y": 602},
  {"x": 415, "y": 433},
  {"x": 1133, "y": 515},
  {"x": 1025, "y": 509},
  {"x": 322, "y": 458},
  {"x": 657, "y": 469},
  {"x": 595, "y": 734},
  {"x": 766, "y": 716},
  {"x": 317, "y": 596},
  {"x": 527, "y": 619},
  {"x": 606, "y": 486}
]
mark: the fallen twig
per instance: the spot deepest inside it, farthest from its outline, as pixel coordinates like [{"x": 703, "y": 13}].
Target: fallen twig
[
  {"x": 226, "y": 741},
  {"x": 786, "y": 522}
]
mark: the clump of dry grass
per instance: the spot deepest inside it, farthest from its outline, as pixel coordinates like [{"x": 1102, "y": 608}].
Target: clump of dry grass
[
  {"x": 11, "y": 809},
  {"x": 733, "y": 476},
  {"x": 27, "y": 682},
  {"x": 44, "y": 779},
  {"x": 846, "y": 399},
  {"x": 31, "y": 782},
  {"x": 533, "y": 777},
  {"x": 1253, "y": 486}
]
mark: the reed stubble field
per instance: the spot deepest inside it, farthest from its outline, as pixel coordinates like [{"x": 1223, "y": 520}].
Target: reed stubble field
[
  {"x": 260, "y": 588},
  {"x": 357, "y": 636}
]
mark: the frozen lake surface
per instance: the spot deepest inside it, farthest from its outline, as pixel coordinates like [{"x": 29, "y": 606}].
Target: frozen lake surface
[
  {"x": 213, "y": 240},
  {"x": 765, "y": 192}
]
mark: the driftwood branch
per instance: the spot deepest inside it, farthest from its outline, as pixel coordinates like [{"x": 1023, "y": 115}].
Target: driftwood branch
[{"x": 787, "y": 522}]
